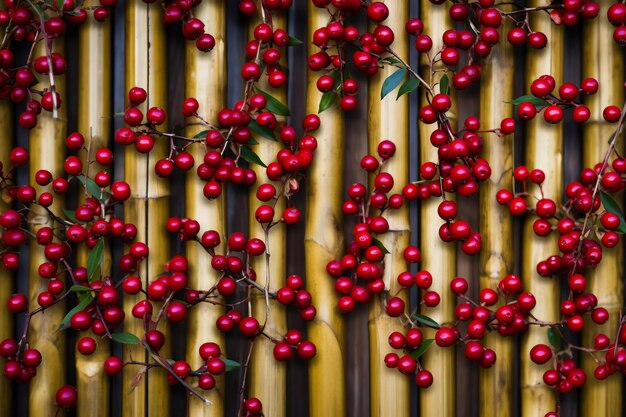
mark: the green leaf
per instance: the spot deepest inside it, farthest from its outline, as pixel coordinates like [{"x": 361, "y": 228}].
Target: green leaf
[
  {"x": 392, "y": 82},
  {"x": 529, "y": 98},
  {"x": 554, "y": 339},
  {"x": 60, "y": 4},
  {"x": 94, "y": 260},
  {"x": 250, "y": 156},
  {"x": 392, "y": 60},
  {"x": 274, "y": 105},
  {"x": 408, "y": 86},
  {"x": 200, "y": 135},
  {"x": 417, "y": 353},
  {"x": 70, "y": 214},
  {"x": 444, "y": 84},
  {"x": 426, "y": 321},
  {"x": 293, "y": 41},
  {"x": 79, "y": 307},
  {"x": 380, "y": 245},
  {"x": 328, "y": 99},
  {"x": 93, "y": 189},
  {"x": 125, "y": 338},
  {"x": 610, "y": 205},
  {"x": 231, "y": 364},
  {"x": 80, "y": 288},
  {"x": 264, "y": 131}
]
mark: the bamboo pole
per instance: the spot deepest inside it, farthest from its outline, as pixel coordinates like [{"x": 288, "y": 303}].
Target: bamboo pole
[
  {"x": 543, "y": 151},
  {"x": 496, "y": 256},
  {"x": 94, "y": 121},
  {"x": 6, "y": 277},
  {"x": 389, "y": 119},
  {"x": 46, "y": 146},
  {"x": 323, "y": 243},
  {"x": 438, "y": 257},
  {"x": 210, "y": 93},
  {"x": 268, "y": 377},
  {"x": 602, "y": 397},
  {"x": 148, "y": 206}
]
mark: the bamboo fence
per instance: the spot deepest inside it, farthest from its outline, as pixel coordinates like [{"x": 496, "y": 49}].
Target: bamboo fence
[
  {"x": 148, "y": 206},
  {"x": 438, "y": 258},
  {"x": 46, "y": 152},
  {"x": 388, "y": 119},
  {"x": 496, "y": 256},
  {"x": 602, "y": 397},
  {"x": 323, "y": 243},
  {"x": 513, "y": 386},
  {"x": 6, "y": 277},
  {"x": 544, "y": 150},
  {"x": 94, "y": 119},
  {"x": 210, "y": 92},
  {"x": 268, "y": 377}
]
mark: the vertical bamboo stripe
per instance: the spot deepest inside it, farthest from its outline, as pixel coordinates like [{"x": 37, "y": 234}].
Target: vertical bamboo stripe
[
  {"x": 496, "y": 256},
  {"x": 438, "y": 257},
  {"x": 6, "y": 277},
  {"x": 47, "y": 151},
  {"x": 210, "y": 93},
  {"x": 389, "y": 119},
  {"x": 602, "y": 397},
  {"x": 323, "y": 242},
  {"x": 268, "y": 377},
  {"x": 94, "y": 122},
  {"x": 543, "y": 151},
  {"x": 148, "y": 206}
]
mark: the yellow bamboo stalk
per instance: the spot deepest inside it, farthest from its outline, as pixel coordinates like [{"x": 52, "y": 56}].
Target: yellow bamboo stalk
[
  {"x": 496, "y": 256},
  {"x": 94, "y": 111},
  {"x": 268, "y": 378},
  {"x": 543, "y": 151},
  {"x": 322, "y": 243},
  {"x": 602, "y": 397},
  {"x": 6, "y": 277},
  {"x": 46, "y": 145},
  {"x": 389, "y": 119},
  {"x": 148, "y": 206},
  {"x": 439, "y": 258},
  {"x": 210, "y": 93}
]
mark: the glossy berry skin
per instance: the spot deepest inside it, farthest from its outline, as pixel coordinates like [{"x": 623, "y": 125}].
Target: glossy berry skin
[
  {"x": 540, "y": 353},
  {"x": 66, "y": 397}
]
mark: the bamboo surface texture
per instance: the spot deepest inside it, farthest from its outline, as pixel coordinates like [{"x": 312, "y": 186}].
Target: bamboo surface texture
[
  {"x": 47, "y": 151},
  {"x": 438, "y": 257},
  {"x": 268, "y": 377},
  {"x": 543, "y": 151},
  {"x": 389, "y": 119},
  {"x": 210, "y": 93},
  {"x": 94, "y": 121},
  {"x": 6, "y": 277},
  {"x": 323, "y": 242},
  {"x": 148, "y": 206},
  {"x": 496, "y": 255},
  {"x": 603, "y": 61}
]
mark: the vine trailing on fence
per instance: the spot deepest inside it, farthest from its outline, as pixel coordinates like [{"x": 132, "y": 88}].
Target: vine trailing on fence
[{"x": 587, "y": 221}]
